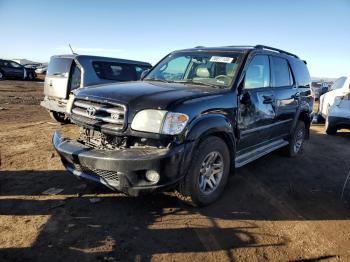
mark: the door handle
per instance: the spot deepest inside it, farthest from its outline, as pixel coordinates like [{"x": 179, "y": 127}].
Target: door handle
[{"x": 267, "y": 99}]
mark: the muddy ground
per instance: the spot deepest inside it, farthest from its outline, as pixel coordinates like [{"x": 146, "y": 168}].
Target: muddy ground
[{"x": 275, "y": 209}]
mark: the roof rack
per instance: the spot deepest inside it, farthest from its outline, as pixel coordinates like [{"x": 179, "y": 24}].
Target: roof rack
[
  {"x": 274, "y": 49},
  {"x": 241, "y": 46}
]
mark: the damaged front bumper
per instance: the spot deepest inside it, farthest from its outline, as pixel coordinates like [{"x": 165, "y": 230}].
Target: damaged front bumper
[{"x": 125, "y": 169}]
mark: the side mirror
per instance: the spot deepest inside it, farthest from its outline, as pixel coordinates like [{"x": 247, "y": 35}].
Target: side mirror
[{"x": 144, "y": 74}]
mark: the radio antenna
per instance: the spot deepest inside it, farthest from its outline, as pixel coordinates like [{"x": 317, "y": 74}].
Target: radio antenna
[{"x": 71, "y": 49}]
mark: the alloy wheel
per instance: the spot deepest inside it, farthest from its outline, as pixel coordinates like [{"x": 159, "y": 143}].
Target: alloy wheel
[
  {"x": 299, "y": 139},
  {"x": 211, "y": 172}
]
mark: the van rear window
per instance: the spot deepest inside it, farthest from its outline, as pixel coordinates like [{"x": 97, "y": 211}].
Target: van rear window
[
  {"x": 115, "y": 71},
  {"x": 59, "y": 66}
]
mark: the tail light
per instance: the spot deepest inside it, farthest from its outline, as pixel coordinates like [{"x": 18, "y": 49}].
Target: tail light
[{"x": 338, "y": 99}]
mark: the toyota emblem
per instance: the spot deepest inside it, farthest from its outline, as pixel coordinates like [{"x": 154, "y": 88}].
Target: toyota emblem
[{"x": 91, "y": 111}]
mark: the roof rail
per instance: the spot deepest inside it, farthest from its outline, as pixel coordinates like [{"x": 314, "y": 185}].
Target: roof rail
[
  {"x": 240, "y": 46},
  {"x": 199, "y": 46},
  {"x": 274, "y": 49}
]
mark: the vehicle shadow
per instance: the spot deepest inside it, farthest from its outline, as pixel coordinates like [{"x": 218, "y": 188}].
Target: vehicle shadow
[{"x": 118, "y": 227}]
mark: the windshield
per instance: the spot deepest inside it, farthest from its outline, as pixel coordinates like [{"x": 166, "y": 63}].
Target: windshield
[{"x": 215, "y": 69}]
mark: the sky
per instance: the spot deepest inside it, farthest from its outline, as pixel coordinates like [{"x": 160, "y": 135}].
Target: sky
[{"x": 318, "y": 31}]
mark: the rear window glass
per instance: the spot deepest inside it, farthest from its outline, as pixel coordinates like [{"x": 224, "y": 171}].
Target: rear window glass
[
  {"x": 115, "y": 71},
  {"x": 59, "y": 66}
]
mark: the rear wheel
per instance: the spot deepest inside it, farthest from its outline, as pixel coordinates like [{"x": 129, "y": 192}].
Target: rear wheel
[
  {"x": 2, "y": 76},
  {"x": 329, "y": 128},
  {"x": 59, "y": 117},
  {"x": 296, "y": 140},
  {"x": 208, "y": 173}
]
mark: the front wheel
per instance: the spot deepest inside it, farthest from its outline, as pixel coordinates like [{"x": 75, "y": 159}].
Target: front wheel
[
  {"x": 59, "y": 117},
  {"x": 208, "y": 173},
  {"x": 2, "y": 76}
]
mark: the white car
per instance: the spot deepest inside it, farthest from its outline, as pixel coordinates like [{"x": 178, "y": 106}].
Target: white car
[
  {"x": 335, "y": 105},
  {"x": 41, "y": 70}
]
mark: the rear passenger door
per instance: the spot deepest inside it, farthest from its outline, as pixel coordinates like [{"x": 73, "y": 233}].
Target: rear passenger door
[{"x": 286, "y": 95}]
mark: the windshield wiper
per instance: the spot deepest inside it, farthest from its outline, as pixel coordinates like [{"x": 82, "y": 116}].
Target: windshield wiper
[
  {"x": 159, "y": 80},
  {"x": 198, "y": 83}
]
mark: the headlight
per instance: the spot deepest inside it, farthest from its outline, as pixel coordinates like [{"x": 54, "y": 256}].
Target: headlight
[
  {"x": 174, "y": 123},
  {"x": 159, "y": 121}
]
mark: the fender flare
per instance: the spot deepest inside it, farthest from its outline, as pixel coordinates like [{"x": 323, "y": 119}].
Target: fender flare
[
  {"x": 308, "y": 118},
  {"x": 206, "y": 125}
]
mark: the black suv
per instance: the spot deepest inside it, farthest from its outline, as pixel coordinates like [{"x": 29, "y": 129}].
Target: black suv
[
  {"x": 11, "y": 69},
  {"x": 198, "y": 114}
]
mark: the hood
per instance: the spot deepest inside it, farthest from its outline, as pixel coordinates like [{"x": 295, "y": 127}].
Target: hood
[{"x": 144, "y": 94}]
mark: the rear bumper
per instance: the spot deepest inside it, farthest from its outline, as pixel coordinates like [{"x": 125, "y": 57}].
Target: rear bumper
[
  {"x": 123, "y": 170},
  {"x": 339, "y": 122},
  {"x": 54, "y": 104}
]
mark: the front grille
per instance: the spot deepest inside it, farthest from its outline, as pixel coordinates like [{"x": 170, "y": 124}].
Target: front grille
[
  {"x": 109, "y": 116},
  {"x": 111, "y": 177}
]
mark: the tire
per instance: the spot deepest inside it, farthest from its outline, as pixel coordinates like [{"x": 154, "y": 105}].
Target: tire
[
  {"x": 2, "y": 76},
  {"x": 59, "y": 117},
  {"x": 330, "y": 129},
  {"x": 296, "y": 140},
  {"x": 211, "y": 162},
  {"x": 30, "y": 77}
]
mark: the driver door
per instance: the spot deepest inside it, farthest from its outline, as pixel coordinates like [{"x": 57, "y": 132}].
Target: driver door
[{"x": 256, "y": 105}]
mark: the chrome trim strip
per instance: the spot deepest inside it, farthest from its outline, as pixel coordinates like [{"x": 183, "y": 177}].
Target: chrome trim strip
[{"x": 264, "y": 127}]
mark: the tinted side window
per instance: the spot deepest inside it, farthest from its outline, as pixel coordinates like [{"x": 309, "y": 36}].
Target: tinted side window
[
  {"x": 301, "y": 73},
  {"x": 280, "y": 72},
  {"x": 258, "y": 73},
  {"x": 115, "y": 71},
  {"x": 13, "y": 64}
]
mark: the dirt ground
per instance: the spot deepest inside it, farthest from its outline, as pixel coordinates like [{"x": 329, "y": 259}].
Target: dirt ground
[{"x": 275, "y": 209}]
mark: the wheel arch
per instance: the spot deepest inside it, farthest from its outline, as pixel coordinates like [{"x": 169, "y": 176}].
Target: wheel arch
[
  {"x": 305, "y": 117},
  {"x": 213, "y": 125}
]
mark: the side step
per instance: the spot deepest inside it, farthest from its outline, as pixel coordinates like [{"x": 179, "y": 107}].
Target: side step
[{"x": 246, "y": 158}]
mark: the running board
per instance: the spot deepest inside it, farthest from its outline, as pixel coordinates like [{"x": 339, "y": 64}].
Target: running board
[{"x": 246, "y": 158}]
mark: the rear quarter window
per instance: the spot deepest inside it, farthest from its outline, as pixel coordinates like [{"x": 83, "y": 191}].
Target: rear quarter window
[
  {"x": 115, "y": 71},
  {"x": 301, "y": 73}
]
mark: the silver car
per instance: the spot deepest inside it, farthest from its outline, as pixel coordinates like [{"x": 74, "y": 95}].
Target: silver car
[{"x": 68, "y": 72}]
